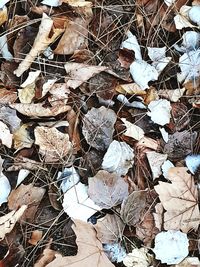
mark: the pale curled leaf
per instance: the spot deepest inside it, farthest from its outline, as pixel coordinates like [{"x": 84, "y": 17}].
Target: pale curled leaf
[
  {"x": 8, "y": 221},
  {"x": 54, "y": 145},
  {"x": 41, "y": 42},
  {"x": 156, "y": 160},
  {"x": 107, "y": 189},
  {"x": 5, "y": 188},
  {"x": 139, "y": 257},
  {"x": 118, "y": 158},
  {"x": 133, "y": 130},
  {"x": 161, "y": 107},
  {"x": 22, "y": 137},
  {"x": 39, "y": 109},
  {"x": 133, "y": 206},
  {"x": 132, "y": 44},
  {"x": 90, "y": 250},
  {"x": 180, "y": 200},
  {"x": 5, "y": 135}
]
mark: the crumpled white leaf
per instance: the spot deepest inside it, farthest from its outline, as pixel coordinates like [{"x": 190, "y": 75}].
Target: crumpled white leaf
[
  {"x": 139, "y": 257},
  {"x": 32, "y": 76},
  {"x": 164, "y": 134},
  {"x": 182, "y": 18},
  {"x": 5, "y": 135},
  {"x": 171, "y": 247},
  {"x": 115, "y": 252},
  {"x": 160, "y": 111},
  {"x": 169, "y": 2},
  {"x": 189, "y": 64},
  {"x": 132, "y": 44},
  {"x": 134, "y": 104},
  {"x": 191, "y": 41},
  {"x": 193, "y": 162},
  {"x": 3, "y": 2},
  {"x": 4, "y": 48},
  {"x": 5, "y": 188},
  {"x": 142, "y": 73},
  {"x": 133, "y": 130},
  {"x": 194, "y": 14},
  {"x": 165, "y": 168},
  {"x": 156, "y": 160},
  {"x": 77, "y": 204},
  {"x": 173, "y": 95},
  {"x": 118, "y": 158},
  {"x": 157, "y": 55},
  {"x": 69, "y": 178}
]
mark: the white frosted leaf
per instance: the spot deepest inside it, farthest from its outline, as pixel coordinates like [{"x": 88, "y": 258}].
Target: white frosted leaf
[
  {"x": 5, "y": 189},
  {"x": 21, "y": 176},
  {"x": 69, "y": 178},
  {"x": 171, "y": 247},
  {"x": 157, "y": 55},
  {"x": 32, "y": 76},
  {"x": 118, "y": 158},
  {"x": 191, "y": 41},
  {"x": 165, "y": 134},
  {"x": 53, "y": 3},
  {"x": 132, "y": 44},
  {"x": 115, "y": 252},
  {"x": 165, "y": 167},
  {"x": 169, "y": 2},
  {"x": 160, "y": 111},
  {"x": 193, "y": 162},
  {"x": 155, "y": 161},
  {"x": 3, "y": 2},
  {"x": 194, "y": 14},
  {"x": 142, "y": 73},
  {"x": 134, "y": 104}
]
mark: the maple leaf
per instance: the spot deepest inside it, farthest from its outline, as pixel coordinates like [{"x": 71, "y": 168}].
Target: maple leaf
[{"x": 180, "y": 200}]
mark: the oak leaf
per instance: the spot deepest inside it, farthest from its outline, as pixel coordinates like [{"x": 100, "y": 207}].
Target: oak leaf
[{"x": 180, "y": 200}]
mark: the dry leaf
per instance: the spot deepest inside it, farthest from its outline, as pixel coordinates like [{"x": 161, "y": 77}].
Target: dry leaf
[
  {"x": 41, "y": 42},
  {"x": 10, "y": 118},
  {"x": 133, "y": 206},
  {"x": 54, "y": 145},
  {"x": 47, "y": 256},
  {"x": 118, "y": 158},
  {"x": 79, "y": 73},
  {"x": 189, "y": 262},
  {"x": 4, "y": 48},
  {"x": 26, "y": 195},
  {"x": 161, "y": 107},
  {"x": 39, "y": 109},
  {"x": 7, "y": 96},
  {"x": 98, "y": 127},
  {"x": 5, "y": 135},
  {"x": 156, "y": 160},
  {"x": 107, "y": 189},
  {"x": 22, "y": 137},
  {"x": 8, "y": 221},
  {"x": 172, "y": 95},
  {"x": 139, "y": 257},
  {"x": 74, "y": 3},
  {"x": 130, "y": 88},
  {"x": 59, "y": 91},
  {"x": 5, "y": 188},
  {"x": 35, "y": 237},
  {"x": 25, "y": 163},
  {"x": 133, "y": 130},
  {"x": 109, "y": 229},
  {"x": 3, "y": 15},
  {"x": 90, "y": 250},
  {"x": 180, "y": 200},
  {"x": 73, "y": 119}
]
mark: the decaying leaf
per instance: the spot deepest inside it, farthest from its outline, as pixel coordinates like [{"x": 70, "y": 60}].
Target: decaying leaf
[
  {"x": 46, "y": 257},
  {"x": 35, "y": 237},
  {"x": 118, "y": 158},
  {"x": 90, "y": 250},
  {"x": 139, "y": 257},
  {"x": 133, "y": 130},
  {"x": 98, "y": 127},
  {"x": 180, "y": 200},
  {"x": 26, "y": 195},
  {"x": 54, "y": 145},
  {"x": 40, "y": 110},
  {"x": 172, "y": 95},
  {"x": 133, "y": 206},
  {"x": 107, "y": 189},
  {"x": 41, "y": 42},
  {"x": 130, "y": 88},
  {"x": 79, "y": 73},
  {"x": 109, "y": 229},
  {"x": 171, "y": 247},
  {"x": 8, "y": 221},
  {"x": 74, "y": 3},
  {"x": 156, "y": 160},
  {"x": 22, "y": 137},
  {"x": 7, "y": 96},
  {"x": 59, "y": 91}
]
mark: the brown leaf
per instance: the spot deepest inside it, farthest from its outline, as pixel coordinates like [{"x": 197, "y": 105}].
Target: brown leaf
[
  {"x": 7, "y": 96},
  {"x": 109, "y": 229},
  {"x": 25, "y": 163},
  {"x": 26, "y": 195},
  {"x": 107, "y": 189},
  {"x": 54, "y": 145},
  {"x": 35, "y": 237},
  {"x": 8, "y": 221},
  {"x": 180, "y": 200},
  {"x": 90, "y": 250},
  {"x": 39, "y": 109},
  {"x": 22, "y": 137},
  {"x": 98, "y": 127},
  {"x": 133, "y": 206},
  {"x": 47, "y": 256}
]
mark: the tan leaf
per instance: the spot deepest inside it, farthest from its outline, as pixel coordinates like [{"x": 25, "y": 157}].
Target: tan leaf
[
  {"x": 189, "y": 262},
  {"x": 7, "y": 96},
  {"x": 73, "y": 119},
  {"x": 39, "y": 109},
  {"x": 133, "y": 130},
  {"x": 180, "y": 200},
  {"x": 74, "y": 37},
  {"x": 5, "y": 135},
  {"x": 22, "y": 137},
  {"x": 3, "y": 15},
  {"x": 25, "y": 163},
  {"x": 107, "y": 189},
  {"x": 54, "y": 145},
  {"x": 109, "y": 229},
  {"x": 46, "y": 257},
  {"x": 35, "y": 237},
  {"x": 26, "y": 195},
  {"x": 133, "y": 206},
  {"x": 79, "y": 73},
  {"x": 130, "y": 88},
  {"x": 8, "y": 221},
  {"x": 59, "y": 91},
  {"x": 90, "y": 250},
  {"x": 156, "y": 160},
  {"x": 41, "y": 42}
]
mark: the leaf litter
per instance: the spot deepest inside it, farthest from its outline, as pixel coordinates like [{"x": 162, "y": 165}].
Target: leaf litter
[{"x": 99, "y": 133}]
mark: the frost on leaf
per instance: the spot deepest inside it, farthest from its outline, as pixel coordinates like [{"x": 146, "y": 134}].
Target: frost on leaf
[
  {"x": 139, "y": 257},
  {"x": 118, "y": 158},
  {"x": 98, "y": 127},
  {"x": 8, "y": 221},
  {"x": 5, "y": 188},
  {"x": 160, "y": 111},
  {"x": 107, "y": 189},
  {"x": 180, "y": 200},
  {"x": 54, "y": 145},
  {"x": 193, "y": 162},
  {"x": 171, "y": 247},
  {"x": 133, "y": 206},
  {"x": 90, "y": 250}
]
